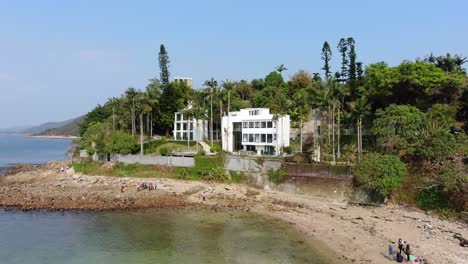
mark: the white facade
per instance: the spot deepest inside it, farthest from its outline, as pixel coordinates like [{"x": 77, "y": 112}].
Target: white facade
[
  {"x": 253, "y": 129},
  {"x": 187, "y": 80},
  {"x": 189, "y": 129}
]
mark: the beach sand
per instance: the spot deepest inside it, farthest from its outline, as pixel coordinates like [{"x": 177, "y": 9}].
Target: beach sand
[{"x": 354, "y": 234}]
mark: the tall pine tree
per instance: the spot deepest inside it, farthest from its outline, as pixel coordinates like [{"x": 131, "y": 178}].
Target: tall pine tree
[
  {"x": 164, "y": 65},
  {"x": 326, "y": 57},
  {"x": 343, "y": 48},
  {"x": 352, "y": 67}
]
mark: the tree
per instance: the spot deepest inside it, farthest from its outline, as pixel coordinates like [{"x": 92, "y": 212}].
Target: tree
[
  {"x": 143, "y": 106},
  {"x": 212, "y": 85},
  {"x": 380, "y": 173},
  {"x": 164, "y": 65},
  {"x": 93, "y": 139},
  {"x": 119, "y": 142},
  {"x": 99, "y": 114},
  {"x": 343, "y": 48},
  {"x": 441, "y": 117},
  {"x": 360, "y": 109},
  {"x": 399, "y": 128},
  {"x": 352, "y": 67},
  {"x": 326, "y": 57},
  {"x": 301, "y": 105},
  {"x": 274, "y": 79},
  {"x": 281, "y": 68},
  {"x": 448, "y": 63},
  {"x": 174, "y": 98}
]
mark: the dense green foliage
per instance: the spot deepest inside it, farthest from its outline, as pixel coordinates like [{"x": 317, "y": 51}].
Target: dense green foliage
[
  {"x": 413, "y": 110},
  {"x": 380, "y": 173},
  {"x": 120, "y": 142}
]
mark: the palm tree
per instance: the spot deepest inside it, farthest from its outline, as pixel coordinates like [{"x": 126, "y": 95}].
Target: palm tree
[
  {"x": 130, "y": 94},
  {"x": 113, "y": 102},
  {"x": 212, "y": 84},
  {"x": 360, "y": 109},
  {"x": 281, "y": 68},
  {"x": 143, "y": 106}
]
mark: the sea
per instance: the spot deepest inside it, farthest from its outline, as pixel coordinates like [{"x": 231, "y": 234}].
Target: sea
[
  {"x": 31, "y": 150},
  {"x": 191, "y": 235}
]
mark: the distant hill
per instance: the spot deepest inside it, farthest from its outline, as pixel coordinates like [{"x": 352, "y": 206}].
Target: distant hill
[{"x": 66, "y": 128}]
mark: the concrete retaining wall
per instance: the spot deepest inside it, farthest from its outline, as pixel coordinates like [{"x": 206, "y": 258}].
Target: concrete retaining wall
[{"x": 156, "y": 160}]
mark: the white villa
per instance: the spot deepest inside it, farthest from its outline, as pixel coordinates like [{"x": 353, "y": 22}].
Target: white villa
[
  {"x": 189, "y": 128},
  {"x": 255, "y": 130}
]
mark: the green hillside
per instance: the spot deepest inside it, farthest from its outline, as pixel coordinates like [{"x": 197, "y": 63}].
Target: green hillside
[{"x": 69, "y": 129}]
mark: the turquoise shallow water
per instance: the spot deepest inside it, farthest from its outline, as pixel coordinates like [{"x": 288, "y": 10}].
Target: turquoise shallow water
[
  {"x": 18, "y": 149},
  {"x": 159, "y": 236}
]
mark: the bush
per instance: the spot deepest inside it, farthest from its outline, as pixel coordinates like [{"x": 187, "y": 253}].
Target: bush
[
  {"x": 216, "y": 148},
  {"x": 201, "y": 152},
  {"x": 164, "y": 151},
  {"x": 288, "y": 150},
  {"x": 277, "y": 176},
  {"x": 216, "y": 174},
  {"x": 380, "y": 173}
]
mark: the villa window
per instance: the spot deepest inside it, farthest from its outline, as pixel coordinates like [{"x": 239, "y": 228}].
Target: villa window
[
  {"x": 263, "y": 138},
  {"x": 251, "y": 137},
  {"x": 178, "y": 126},
  {"x": 263, "y": 124},
  {"x": 269, "y": 124},
  {"x": 191, "y": 135},
  {"x": 251, "y": 124},
  {"x": 274, "y": 136},
  {"x": 257, "y": 138},
  {"x": 185, "y": 126},
  {"x": 178, "y": 117},
  {"x": 245, "y": 124},
  {"x": 245, "y": 137},
  {"x": 178, "y": 136},
  {"x": 269, "y": 138},
  {"x": 257, "y": 124},
  {"x": 191, "y": 126}
]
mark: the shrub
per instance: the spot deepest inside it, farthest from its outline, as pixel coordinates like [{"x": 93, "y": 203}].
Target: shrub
[
  {"x": 380, "y": 173},
  {"x": 288, "y": 150},
  {"x": 277, "y": 176},
  {"x": 216, "y": 148},
  {"x": 216, "y": 174},
  {"x": 201, "y": 152},
  {"x": 164, "y": 151}
]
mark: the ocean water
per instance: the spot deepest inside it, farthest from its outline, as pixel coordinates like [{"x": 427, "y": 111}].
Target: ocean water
[
  {"x": 152, "y": 236},
  {"x": 155, "y": 236},
  {"x": 18, "y": 149}
]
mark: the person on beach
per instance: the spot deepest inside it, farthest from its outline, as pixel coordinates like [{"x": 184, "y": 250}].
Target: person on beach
[
  {"x": 399, "y": 258},
  {"x": 122, "y": 188},
  {"x": 62, "y": 169},
  {"x": 391, "y": 248},
  {"x": 400, "y": 245},
  {"x": 408, "y": 251}
]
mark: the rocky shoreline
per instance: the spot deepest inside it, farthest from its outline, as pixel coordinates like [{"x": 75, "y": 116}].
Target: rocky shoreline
[{"x": 355, "y": 234}]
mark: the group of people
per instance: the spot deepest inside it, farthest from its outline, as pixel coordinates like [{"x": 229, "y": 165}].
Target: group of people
[{"x": 403, "y": 248}]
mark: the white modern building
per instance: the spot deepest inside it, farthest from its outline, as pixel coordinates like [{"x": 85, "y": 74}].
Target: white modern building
[
  {"x": 255, "y": 130},
  {"x": 187, "y": 80},
  {"x": 189, "y": 128}
]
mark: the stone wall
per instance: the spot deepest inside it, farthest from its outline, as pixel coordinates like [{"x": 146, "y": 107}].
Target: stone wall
[{"x": 156, "y": 160}]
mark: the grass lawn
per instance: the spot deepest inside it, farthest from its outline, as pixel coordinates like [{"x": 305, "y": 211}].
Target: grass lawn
[{"x": 206, "y": 167}]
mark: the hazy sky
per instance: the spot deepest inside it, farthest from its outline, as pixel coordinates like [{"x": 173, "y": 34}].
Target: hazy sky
[{"x": 59, "y": 59}]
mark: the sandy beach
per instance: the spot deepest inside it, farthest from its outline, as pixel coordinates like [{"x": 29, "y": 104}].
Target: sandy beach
[{"x": 354, "y": 234}]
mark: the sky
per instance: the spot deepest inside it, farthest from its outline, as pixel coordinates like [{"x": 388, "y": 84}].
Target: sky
[{"x": 59, "y": 59}]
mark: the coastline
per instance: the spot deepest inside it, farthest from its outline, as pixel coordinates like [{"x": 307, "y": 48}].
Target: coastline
[
  {"x": 51, "y": 137},
  {"x": 353, "y": 234}
]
